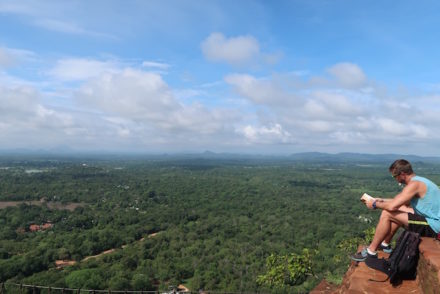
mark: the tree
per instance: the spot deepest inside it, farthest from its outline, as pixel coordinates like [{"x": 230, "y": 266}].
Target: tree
[
  {"x": 141, "y": 282},
  {"x": 85, "y": 279},
  {"x": 282, "y": 270},
  {"x": 119, "y": 282}
]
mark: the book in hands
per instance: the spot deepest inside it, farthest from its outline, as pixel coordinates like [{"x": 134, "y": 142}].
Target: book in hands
[{"x": 365, "y": 197}]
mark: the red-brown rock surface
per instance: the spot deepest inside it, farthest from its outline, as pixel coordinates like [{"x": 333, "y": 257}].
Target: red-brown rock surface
[
  {"x": 324, "y": 288},
  {"x": 429, "y": 265},
  {"x": 357, "y": 278}
]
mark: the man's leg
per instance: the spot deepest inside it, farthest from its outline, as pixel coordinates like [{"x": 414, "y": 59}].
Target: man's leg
[
  {"x": 389, "y": 222},
  {"x": 389, "y": 237},
  {"x": 395, "y": 226}
]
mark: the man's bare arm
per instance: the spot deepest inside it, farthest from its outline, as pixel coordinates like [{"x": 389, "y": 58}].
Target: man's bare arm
[{"x": 400, "y": 200}]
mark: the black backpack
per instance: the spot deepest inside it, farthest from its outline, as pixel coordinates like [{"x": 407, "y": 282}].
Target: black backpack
[{"x": 402, "y": 262}]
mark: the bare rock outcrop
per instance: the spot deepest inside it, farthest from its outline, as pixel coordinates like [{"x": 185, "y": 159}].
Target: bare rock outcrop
[{"x": 358, "y": 278}]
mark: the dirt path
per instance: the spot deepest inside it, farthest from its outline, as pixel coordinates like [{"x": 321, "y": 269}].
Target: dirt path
[
  {"x": 63, "y": 263},
  {"x": 98, "y": 255}
]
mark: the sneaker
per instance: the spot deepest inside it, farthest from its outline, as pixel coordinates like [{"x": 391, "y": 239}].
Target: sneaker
[
  {"x": 386, "y": 249},
  {"x": 361, "y": 256}
]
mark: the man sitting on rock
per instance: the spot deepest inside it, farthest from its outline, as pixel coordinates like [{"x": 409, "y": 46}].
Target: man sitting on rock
[{"x": 416, "y": 208}]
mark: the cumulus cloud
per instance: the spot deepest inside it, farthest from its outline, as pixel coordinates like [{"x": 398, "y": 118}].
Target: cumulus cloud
[
  {"x": 337, "y": 111},
  {"x": 327, "y": 104},
  {"x": 130, "y": 109},
  {"x": 79, "y": 69},
  {"x": 348, "y": 74},
  {"x": 318, "y": 126},
  {"x": 115, "y": 105},
  {"x": 144, "y": 97},
  {"x": 130, "y": 93},
  {"x": 420, "y": 131},
  {"x": 395, "y": 128},
  {"x": 133, "y": 107},
  {"x": 235, "y": 50},
  {"x": 26, "y": 122},
  {"x": 392, "y": 127},
  {"x": 264, "y": 134},
  {"x": 18, "y": 102},
  {"x": 315, "y": 109},
  {"x": 251, "y": 88},
  {"x": 23, "y": 106},
  {"x": 260, "y": 91}
]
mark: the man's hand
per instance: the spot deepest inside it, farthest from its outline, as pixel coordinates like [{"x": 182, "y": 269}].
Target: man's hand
[{"x": 369, "y": 203}]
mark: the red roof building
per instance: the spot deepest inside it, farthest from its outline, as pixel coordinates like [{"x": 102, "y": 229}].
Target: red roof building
[{"x": 43, "y": 227}]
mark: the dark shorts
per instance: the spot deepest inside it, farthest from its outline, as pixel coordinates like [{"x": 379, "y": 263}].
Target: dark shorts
[{"x": 418, "y": 224}]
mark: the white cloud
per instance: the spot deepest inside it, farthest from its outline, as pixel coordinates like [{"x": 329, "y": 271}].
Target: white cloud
[
  {"x": 363, "y": 124},
  {"x": 409, "y": 129},
  {"x": 184, "y": 94},
  {"x": 130, "y": 93},
  {"x": 235, "y": 50},
  {"x": 273, "y": 134},
  {"x": 10, "y": 57},
  {"x": 336, "y": 112},
  {"x": 260, "y": 91},
  {"x": 431, "y": 100},
  {"x": 315, "y": 109},
  {"x": 118, "y": 105},
  {"x": 249, "y": 87},
  {"x": 145, "y": 98},
  {"x": 61, "y": 26},
  {"x": 157, "y": 65},
  {"x": 336, "y": 104},
  {"x": 18, "y": 102},
  {"x": 348, "y": 75},
  {"x": 420, "y": 131},
  {"x": 272, "y": 59},
  {"x": 27, "y": 123},
  {"x": 6, "y": 59},
  {"x": 115, "y": 106},
  {"x": 79, "y": 69},
  {"x": 318, "y": 126},
  {"x": 45, "y": 14}
]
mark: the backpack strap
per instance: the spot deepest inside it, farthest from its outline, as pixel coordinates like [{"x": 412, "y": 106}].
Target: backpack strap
[
  {"x": 381, "y": 264},
  {"x": 373, "y": 280}
]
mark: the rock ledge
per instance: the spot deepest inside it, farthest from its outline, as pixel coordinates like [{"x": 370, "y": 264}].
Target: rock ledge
[{"x": 357, "y": 278}]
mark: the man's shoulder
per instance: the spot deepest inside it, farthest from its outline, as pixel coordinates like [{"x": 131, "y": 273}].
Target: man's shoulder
[
  {"x": 418, "y": 180},
  {"x": 415, "y": 186},
  {"x": 423, "y": 181}
]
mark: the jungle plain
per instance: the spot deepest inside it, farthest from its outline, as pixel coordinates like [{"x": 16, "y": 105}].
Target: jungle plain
[{"x": 227, "y": 224}]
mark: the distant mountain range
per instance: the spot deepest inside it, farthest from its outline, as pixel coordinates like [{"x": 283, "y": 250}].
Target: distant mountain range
[
  {"x": 360, "y": 157},
  {"x": 304, "y": 156},
  {"x": 328, "y": 157}
]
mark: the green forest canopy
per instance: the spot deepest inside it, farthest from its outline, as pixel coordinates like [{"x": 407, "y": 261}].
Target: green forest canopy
[{"x": 222, "y": 224}]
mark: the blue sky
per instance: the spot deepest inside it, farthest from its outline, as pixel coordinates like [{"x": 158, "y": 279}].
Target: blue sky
[{"x": 273, "y": 77}]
